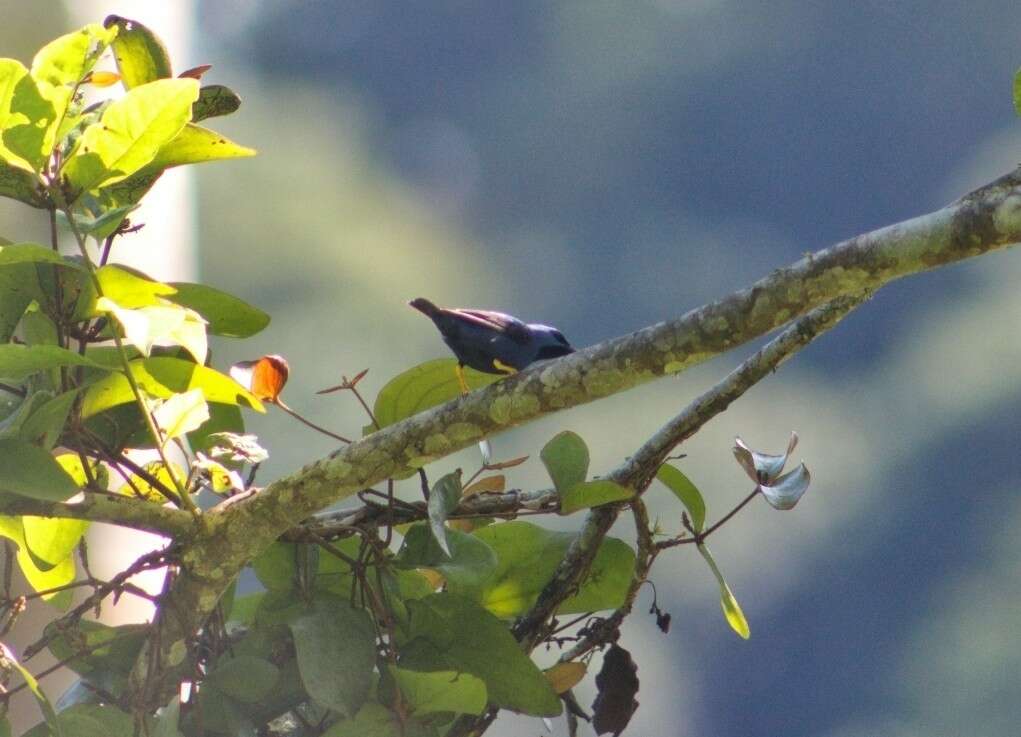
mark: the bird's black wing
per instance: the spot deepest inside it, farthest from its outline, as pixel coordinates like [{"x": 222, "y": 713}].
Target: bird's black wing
[{"x": 508, "y": 325}]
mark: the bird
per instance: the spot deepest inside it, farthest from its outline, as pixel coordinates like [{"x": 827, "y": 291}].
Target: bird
[{"x": 492, "y": 342}]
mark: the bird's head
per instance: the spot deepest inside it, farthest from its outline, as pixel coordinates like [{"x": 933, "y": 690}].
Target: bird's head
[{"x": 549, "y": 342}]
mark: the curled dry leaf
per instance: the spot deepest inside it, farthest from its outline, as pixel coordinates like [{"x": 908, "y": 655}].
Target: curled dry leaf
[
  {"x": 265, "y": 377},
  {"x": 565, "y": 676},
  {"x": 785, "y": 492},
  {"x": 617, "y": 682}
]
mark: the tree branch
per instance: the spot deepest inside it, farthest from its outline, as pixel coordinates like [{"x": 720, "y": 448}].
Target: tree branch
[
  {"x": 118, "y": 510},
  {"x": 983, "y": 221}
]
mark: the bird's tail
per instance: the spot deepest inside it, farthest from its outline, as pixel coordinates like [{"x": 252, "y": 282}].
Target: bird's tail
[{"x": 425, "y": 307}]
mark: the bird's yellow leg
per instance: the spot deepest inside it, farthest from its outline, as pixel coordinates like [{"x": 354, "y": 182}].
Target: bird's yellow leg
[
  {"x": 501, "y": 366},
  {"x": 459, "y": 370}
]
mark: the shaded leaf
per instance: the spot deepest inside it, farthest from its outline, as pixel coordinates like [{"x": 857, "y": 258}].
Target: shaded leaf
[
  {"x": 785, "y": 491},
  {"x": 224, "y": 314},
  {"x": 426, "y": 385},
  {"x": 372, "y": 720},
  {"x": 443, "y": 499},
  {"x": 162, "y": 377},
  {"x": 762, "y": 468},
  {"x": 617, "y": 682},
  {"x": 245, "y": 678},
  {"x": 92, "y": 720},
  {"x": 33, "y": 685},
  {"x": 18, "y": 184},
  {"x": 97, "y": 651},
  {"x": 448, "y": 632},
  {"x": 196, "y": 72},
  {"x": 687, "y": 492},
  {"x": 566, "y": 458},
  {"x": 28, "y": 470},
  {"x": 214, "y": 100},
  {"x": 467, "y": 564},
  {"x": 336, "y": 652},
  {"x": 592, "y": 494},
  {"x": 731, "y": 609},
  {"x": 527, "y": 556},
  {"x": 440, "y": 691},
  {"x": 139, "y": 53}
]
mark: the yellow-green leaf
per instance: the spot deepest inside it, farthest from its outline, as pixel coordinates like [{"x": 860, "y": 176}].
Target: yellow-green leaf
[
  {"x": 196, "y": 144},
  {"x": 687, "y": 492},
  {"x": 66, "y": 60},
  {"x": 140, "y": 54},
  {"x": 131, "y": 132},
  {"x": 731, "y": 609},
  {"x": 130, "y": 289},
  {"x": 27, "y": 118},
  {"x": 161, "y": 324}
]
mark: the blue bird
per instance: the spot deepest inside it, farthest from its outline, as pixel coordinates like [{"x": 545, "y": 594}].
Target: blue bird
[{"x": 492, "y": 342}]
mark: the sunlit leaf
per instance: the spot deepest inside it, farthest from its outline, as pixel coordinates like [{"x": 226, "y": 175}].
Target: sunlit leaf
[
  {"x": 1017, "y": 91},
  {"x": 731, "y": 609},
  {"x": 129, "y": 288},
  {"x": 265, "y": 377},
  {"x": 139, "y": 53},
  {"x": 565, "y": 676},
  {"x": 687, "y": 492},
  {"x": 225, "y": 314},
  {"x": 424, "y": 386},
  {"x": 51, "y": 540},
  {"x": 592, "y": 494},
  {"x": 131, "y": 132},
  {"x": 160, "y": 324},
  {"x": 28, "y": 470},
  {"x": 103, "y": 79},
  {"x": 566, "y": 458},
  {"x": 336, "y": 652},
  {"x": 220, "y": 479},
  {"x": 161, "y": 377},
  {"x": 39, "y": 579},
  {"x": 196, "y": 145},
  {"x": 785, "y": 491},
  {"x": 448, "y": 632},
  {"x": 440, "y": 691},
  {"x": 26, "y": 119},
  {"x": 66, "y": 60},
  {"x": 443, "y": 499},
  {"x": 141, "y": 487},
  {"x": 181, "y": 413}
]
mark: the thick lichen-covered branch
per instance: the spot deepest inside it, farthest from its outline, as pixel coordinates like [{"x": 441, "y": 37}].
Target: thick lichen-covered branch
[
  {"x": 983, "y": 221},
  {"x": 119, "y": 510}
]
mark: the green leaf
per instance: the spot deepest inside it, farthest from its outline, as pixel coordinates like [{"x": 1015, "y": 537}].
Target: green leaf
[
  {"x": 39, "y": 579},
  {"x": 105, "y": 223},
  {"x": 372, "y": 720},
  {"x": 336, "y": 652},
  {"x": 214, "y": 100},
  {"x": 275, "y": 567},
  {"x": 731, "y": 609},
  {"x": 131, "y": 132},
  {"x": 181, "y": 414},
  {"x": 140, "y": 55},
  {"x": 33, "y": 685},
  {"x": 527, "y": 557},
  {"x": 66, "y": 60},
  {"x": 245, "y": 678},
  {"x": 225, "y": 314},
  {"x": 592, "y": 494},
  {"x": 19, "y": 361},
  {"x": 222, "y": 418},
  {"x": 33, "y": 253},
  {"x": 97, "y": 651},
  {"x": 169, "y": 718},
  {"x": 164, "y": 324},
  {"x": 26, "y": 119},
  {"x": 18, "y": 184},
  {"x": 52, "y": 540},
  {"x": 1017, "y": 91},
  {"x": 92, "y": 720},
  {"x": 129, "y": 288},
  {"x": 28, "y": 470},
  {"x": 448, "y": 632},
  {"x": 426, "y": 385},
  {"x": 195, "y": 145},
  {"x": 161, "y": 377},
  {"x": 440, "y": 691},
  {"x": 468, "y": 564},
  {"x": 46, "y": 423},
  {"x": 566, "y": 459},
  {"x": 443, "y": 499},
  {"x": 687, "y": 492}
]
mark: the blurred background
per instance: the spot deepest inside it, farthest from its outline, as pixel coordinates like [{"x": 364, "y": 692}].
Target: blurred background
[{"x": 604, "y": 165}]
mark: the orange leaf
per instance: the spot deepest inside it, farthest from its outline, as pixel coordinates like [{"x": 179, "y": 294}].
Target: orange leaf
[
  {"x": 565, "y": 676},
  {"x": 487, "y": 483},
  {"x": 104, "y": 79},
  {"x": 265, "y": 378}
]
